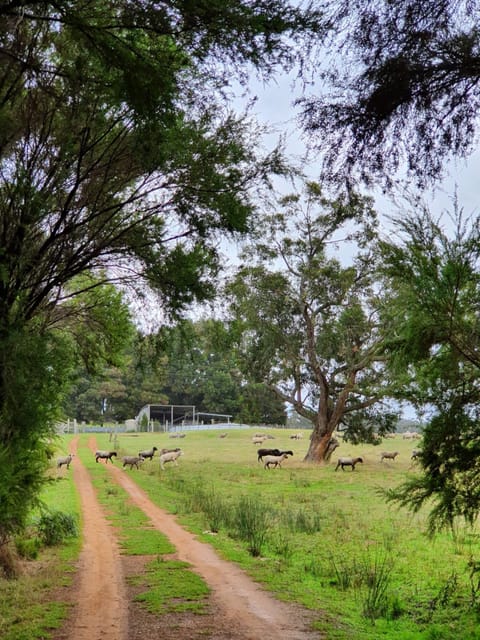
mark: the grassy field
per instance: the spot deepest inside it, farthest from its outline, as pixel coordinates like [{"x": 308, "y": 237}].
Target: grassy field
[{"x": 322, "y": 538}]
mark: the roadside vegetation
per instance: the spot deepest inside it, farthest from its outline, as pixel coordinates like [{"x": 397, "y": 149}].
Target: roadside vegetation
[{"x": 31, "y": 605}]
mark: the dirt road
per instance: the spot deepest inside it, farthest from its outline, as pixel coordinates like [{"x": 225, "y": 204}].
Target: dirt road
[{"x": 239, "y": 608}]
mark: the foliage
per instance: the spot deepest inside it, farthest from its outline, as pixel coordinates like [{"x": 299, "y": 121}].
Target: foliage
[
  {"x": 35, "y": 372},
  {"x": 306, "y": 323},
  {"x": 117, "y": 166},
  {"x": 202, "y": 369},
  {"x": 402, "y": 88},
  {"x": 434, "y": 352},
  {"x": 55, "y": 526}
]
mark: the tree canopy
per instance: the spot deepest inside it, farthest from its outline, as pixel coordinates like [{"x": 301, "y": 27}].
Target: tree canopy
[
  {"x": 120, "y": 163},
  {"x": 434, "y": 352},
  {"x": 308, "y": 323},
  {"x": 400, "y": 89}
]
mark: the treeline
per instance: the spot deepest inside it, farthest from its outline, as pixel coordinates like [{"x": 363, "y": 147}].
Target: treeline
[{"x": 190, "y": 363}]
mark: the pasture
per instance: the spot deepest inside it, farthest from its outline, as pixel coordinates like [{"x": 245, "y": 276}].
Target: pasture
[{"x": 321, "y": 537}]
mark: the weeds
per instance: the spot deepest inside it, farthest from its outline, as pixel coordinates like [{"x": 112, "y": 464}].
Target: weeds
[
  {"x": 251, "y": 522},
  {"x": 56, "y": 526},
  {"x": 378, "y": 578},
  {"x": 301, "y": 521}
]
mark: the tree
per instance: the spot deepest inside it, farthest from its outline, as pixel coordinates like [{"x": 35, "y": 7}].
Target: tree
[
  {"x": 308, "y": 323},
  {"x": 402, "y": 89},
  {"x": 432, "y": 315},
  {"x": 117, "y": 162},
  {"x": 201, "y": 369}
]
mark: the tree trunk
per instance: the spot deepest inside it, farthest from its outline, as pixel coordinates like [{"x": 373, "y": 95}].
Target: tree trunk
[{"x": 321, "y": 447}]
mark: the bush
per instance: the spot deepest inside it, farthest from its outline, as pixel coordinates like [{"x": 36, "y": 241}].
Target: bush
[
  {"x": 55, "y": 526},
  {"x": 27, "y": 548}
]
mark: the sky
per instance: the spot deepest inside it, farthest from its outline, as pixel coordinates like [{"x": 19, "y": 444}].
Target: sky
[{"x": 275, "y": 107}]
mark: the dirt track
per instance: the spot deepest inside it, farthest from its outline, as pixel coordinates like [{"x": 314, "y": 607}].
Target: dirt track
[{"x": 239, "y": 608}]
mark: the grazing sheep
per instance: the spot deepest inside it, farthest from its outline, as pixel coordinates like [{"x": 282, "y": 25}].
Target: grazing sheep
[
  {"x": 415, "y": 454},
  {"x": 348, "y": 462},
  {"x": 169, "y": 450},
  {"x": 296, "y": 436},
  {"x": 177, "y": 435},
  {"x": 259, "y": 439},
  {"x": 65, "y": 460},
  {"x": 388, "y": 455},
  {"x": 411, "y": 435},
  {"x": 276, "y": 461},
  {"x": 271, "y": 452},
  {"x": 105, "y": 455},
  {"x": 170, "y": 456},
  {"x": 132, "y": 461},
  {"x": 223, "y": 435},
  {"x": 148, "y": 454}
]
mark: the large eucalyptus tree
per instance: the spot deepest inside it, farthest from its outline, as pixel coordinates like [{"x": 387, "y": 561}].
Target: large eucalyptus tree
[{"x": 307, "y": 320}]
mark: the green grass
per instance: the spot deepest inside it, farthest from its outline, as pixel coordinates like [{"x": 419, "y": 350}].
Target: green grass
[{"x": 329, "y": 542}]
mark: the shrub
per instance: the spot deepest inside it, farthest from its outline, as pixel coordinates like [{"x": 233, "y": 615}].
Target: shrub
[{"x": 55, "y": 526}]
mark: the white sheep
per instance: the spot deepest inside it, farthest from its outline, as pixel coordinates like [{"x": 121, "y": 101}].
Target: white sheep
[
  {"x": 388, "y": 455},
  {"x": 170, "y": 456},
  {"x": 132, "y": 461},
  {"x": 276, "y": 461},
  {"x": 259, "y": 439},
  {"x": 105, "y": 455},
  {"x": 65, "y": 460}
]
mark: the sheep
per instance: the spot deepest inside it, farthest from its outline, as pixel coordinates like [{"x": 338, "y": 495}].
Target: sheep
[
  {"x": 388, "y": 455},
  {"x": 170, "y": 456},
  {"x": 271, "y": 452},
  {"x": 65, "y": 460},
  {"x": 258, "y": 439},
  {"x": 105, "y": 455},
  {"x": 415, "y": 454},
  {"x": 296, "y": 436},
  {"x": 223, "y": 435},
  {"x": 411, "y": 435},
  {"x": 169, "y": 450},
  {"x": 348, "y": 462},
  {"x": 132, "y": 461},
  {"x": 276, "y": 461},
  {"x": 148, "y": 454}
]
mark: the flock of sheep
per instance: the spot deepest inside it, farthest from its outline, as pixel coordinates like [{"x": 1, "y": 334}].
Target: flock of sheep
[
  {"x": 269, "y": 457},
  {"x": 166, "y": 455}
]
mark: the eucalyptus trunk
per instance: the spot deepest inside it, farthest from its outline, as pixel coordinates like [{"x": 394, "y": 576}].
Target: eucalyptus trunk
[{"x": 322, "y": 442}]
